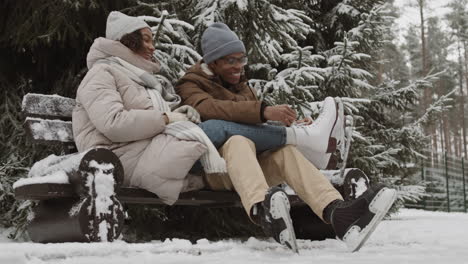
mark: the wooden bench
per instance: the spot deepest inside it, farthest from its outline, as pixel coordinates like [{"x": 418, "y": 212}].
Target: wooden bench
[{"x": 70, "y": 209}]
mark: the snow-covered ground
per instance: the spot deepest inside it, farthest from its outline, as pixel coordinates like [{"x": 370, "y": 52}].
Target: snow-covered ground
[{"x": 412, "y": 236}]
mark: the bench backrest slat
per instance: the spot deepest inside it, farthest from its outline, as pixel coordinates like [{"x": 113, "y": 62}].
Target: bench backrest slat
[
  {"x": 53, "y": 131},
  {"x": 48, "y": 106}
]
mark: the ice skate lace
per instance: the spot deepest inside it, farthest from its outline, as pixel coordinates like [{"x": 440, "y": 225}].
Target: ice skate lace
[{"x": 320, "y": 117}]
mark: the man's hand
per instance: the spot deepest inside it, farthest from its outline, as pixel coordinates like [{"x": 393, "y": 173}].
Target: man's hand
[
  {"x": 304, "y": 122},
  {"x": 282, "y": 113}
]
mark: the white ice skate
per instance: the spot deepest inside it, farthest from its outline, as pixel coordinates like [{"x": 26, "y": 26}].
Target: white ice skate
[{"x": 326, "y": 135}]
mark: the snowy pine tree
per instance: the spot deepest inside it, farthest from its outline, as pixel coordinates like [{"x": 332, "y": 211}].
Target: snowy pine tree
[
  {"x": 270, "y": 32},
  {"x": 264, "y": 26},
  {"x": 295, "y": 85},
  {"x": 347, "y": 50},
  {"x": 174, "y": 48}
]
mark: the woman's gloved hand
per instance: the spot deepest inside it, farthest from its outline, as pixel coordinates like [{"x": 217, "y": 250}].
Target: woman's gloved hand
[
  {"x": 175, "y": 117},
  {"x": 190, "y": 112}
]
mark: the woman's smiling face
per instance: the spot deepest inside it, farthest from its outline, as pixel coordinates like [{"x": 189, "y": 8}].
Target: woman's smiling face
[{"x": 147, "y": 48}]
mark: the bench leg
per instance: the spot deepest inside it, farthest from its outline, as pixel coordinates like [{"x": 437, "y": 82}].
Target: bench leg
[
  {"x": 60, "y": 220},
  {"x": 71, "y": 220}
]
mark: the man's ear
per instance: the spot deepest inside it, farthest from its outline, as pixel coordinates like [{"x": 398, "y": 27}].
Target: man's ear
[{"x": 212, "y": 66}]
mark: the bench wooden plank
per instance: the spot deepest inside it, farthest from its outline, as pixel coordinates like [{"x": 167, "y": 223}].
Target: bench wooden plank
[
  {"x": 50, "y": 131},
  {"x": 48, "y": 106},
  {"x": 45, "y": 191},
  {"x": 130, "y": 195}
]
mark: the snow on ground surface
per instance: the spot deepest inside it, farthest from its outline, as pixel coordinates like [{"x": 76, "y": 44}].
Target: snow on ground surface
[{"x": 412, "y": 236}]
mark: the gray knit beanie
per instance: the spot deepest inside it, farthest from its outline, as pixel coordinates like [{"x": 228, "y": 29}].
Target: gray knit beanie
[
  {"x": 218, "y": 41},
  {"x": 119, "y": 24}
]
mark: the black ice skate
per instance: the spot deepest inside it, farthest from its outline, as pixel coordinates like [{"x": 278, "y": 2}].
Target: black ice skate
[
  {"x": 355, "y": 220},
  {"x": 273, "y": 216}
]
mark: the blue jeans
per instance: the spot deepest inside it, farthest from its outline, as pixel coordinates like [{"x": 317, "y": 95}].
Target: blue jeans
[{"x": 265, "y": 137}]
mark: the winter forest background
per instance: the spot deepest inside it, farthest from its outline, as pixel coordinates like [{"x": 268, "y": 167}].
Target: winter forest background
[{"x": 406, "y": 90}]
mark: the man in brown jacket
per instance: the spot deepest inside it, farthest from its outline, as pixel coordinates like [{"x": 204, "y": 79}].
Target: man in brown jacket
[{"x": 217, "y": 88}]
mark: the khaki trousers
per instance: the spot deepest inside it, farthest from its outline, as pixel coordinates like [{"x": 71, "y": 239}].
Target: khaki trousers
[{"x": 251, "y": 176}]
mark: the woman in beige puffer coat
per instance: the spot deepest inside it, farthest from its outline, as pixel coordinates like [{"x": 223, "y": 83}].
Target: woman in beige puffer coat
[{"x": 114, "y": 111}]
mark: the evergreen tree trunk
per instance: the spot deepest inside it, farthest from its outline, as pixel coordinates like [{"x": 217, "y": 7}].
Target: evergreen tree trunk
[
  {"x": 442, "y": 137},
  {"x": 441, "y": 122},
  {"x": 433, "y": 125},
  {"x": 456, "y": 142},
  {"x": 430, "y": 129},
  {"x": 462, "y": 97},
  {"x": 434, "y": 137},
  {"x": 423, "y": 39},
  {"x": 460, "y": 142},
  {"x": 446, "y": 137},
  {"x": 465, "y": 47}
]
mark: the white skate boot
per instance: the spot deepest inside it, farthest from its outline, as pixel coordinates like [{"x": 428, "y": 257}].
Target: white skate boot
[{"x": 318, "y": 140}]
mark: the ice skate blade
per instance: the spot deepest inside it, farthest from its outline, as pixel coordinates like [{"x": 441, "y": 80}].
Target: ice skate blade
[
  {"x": 341, "y": 121},
  {"x": 347, "y": 144},
  {"x": 280, "y": 203},
  {"x": 379, "y": 206}
]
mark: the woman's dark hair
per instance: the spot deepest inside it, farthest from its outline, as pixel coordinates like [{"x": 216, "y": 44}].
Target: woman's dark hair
[{"x": 133, "y": 41}]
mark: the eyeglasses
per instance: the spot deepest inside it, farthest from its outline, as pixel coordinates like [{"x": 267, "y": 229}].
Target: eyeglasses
[{"x": 232, "y": 61}]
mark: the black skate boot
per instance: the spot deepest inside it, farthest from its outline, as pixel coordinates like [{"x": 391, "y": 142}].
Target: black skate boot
[
  {"x": 273, "y": 216},
  {"x": 355, "y": 220}
]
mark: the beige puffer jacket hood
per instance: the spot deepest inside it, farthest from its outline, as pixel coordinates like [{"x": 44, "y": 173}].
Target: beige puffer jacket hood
[{"x": 115, "y": 112}]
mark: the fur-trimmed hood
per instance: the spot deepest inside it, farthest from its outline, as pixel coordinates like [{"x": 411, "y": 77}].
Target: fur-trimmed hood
[{"x": 103, "y": 48}]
